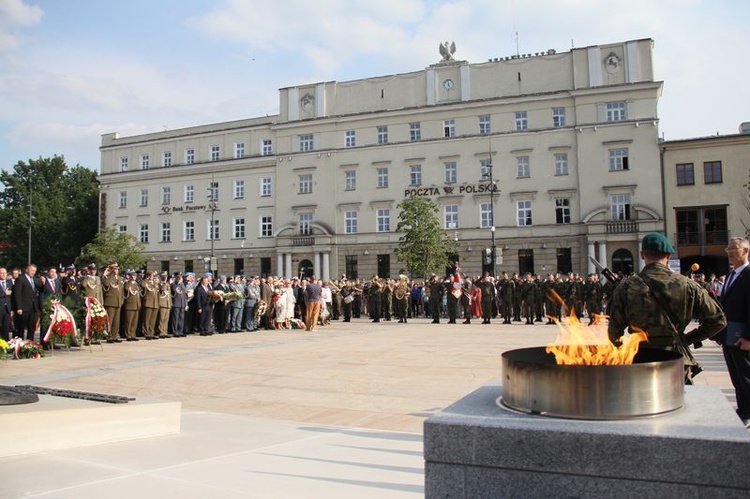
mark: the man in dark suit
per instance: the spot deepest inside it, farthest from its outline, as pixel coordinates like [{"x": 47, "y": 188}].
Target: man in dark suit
[
  {"x": 25, "y": 299},
  {"x": 735, "y": 338},
  {"x": 202, "y": 306},
  {"x": 51, "y": 287},
  {"x": 5, "y": 304}
]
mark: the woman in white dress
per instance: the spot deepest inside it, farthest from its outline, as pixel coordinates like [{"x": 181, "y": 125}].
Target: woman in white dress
[{"x": 285, "y": 306}]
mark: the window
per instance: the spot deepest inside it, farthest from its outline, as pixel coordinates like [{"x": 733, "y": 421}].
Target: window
[
  {"x": 522, "y": 163},
  {"x": 620, "y": 206},
  {"x": 124, "y": 163},
  {"x": 382, "y": 135},
  {"x": 415, "y": 132},
  {"x": 239, "y": 189},
  {"x": 522, "y": 121},
  {"x": 562, "y": 211},
  {"x": 415, "y": 175},
  {"x": 350, "y": 222},
  {"x": 266, "y": 147},
  {"x": 189, "y": 156},
  {"x": 306, "y": 142},
  {"x": 215, "y": 153},
  {"x": 239, "y": 150},
  {"x": 305, "y": 223},
  {"x": 305, "y": 183},
  {"x": 350, "y": 138},
  {"x": 238, "y": 228},
  {"x": 189, "y": 194},
  {"x": 524, "y": 213},
  {"x": 616, "y": 111},
  {"x": 564, "y": 260},
  {"x": 685, "y": 174},
  {"x": 712, "y": 172},
  {"x": 350, "y": 180},
  {"x": 213, "y": 191},
  {"x": 485, "y": 167},
  {"x": 561, "y": 163},
  {"x": 525, "y": 261},
  {"x": 558, "y": 117},
  {"x": 123, "y": 199},
  {"x": 384, "y": 220},
  {"x": 451, "y": 172},
  {"x": 265, "y": 186},
  {"x": 143, "y": 199},
  {"x": 618, "y": 160},
  {"x": 188, "y": 230},
  {"x": 122, "y": 229},
  {"x": 384, "y": 265},
  {"x": 485, "y": 125},
  {"x": 165, "y": 232},
  {"x": 166, "y": 195},
  {"x": 451, "y": 216},
  {"x": 449, "y": 128},
  {"x": 485, "y": 215},
  {"x": 166, "y": 158},
  {"x": 212, "y": 229},
  {"x": 143, "y": 233},
  {"x": 351, "y": 266},
  {"x": 266, "y": 226},
  {"x": 382, "y": 178},
  {"x": 145, "y": 161},
  {"x": 716, "y": 225}
]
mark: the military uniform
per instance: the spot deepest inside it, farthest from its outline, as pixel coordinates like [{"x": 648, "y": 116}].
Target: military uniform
[
  {"x": 150, "y": 306},
  {"x": 112, "y": 286},
  {"x": 374, "y": 298},
  {"x": 401, "y": 300},
  {"x": 132, "y": 296},
  {"x": 452, "y": 303},
  {"x": 488, "y": 298},
  {"x": 528, "y": 295},
  {"x": 436, "y": 290},
  {"x": 179, "y": 302},
  {"x": 165, "y": 307},
  {"x": 506, "y": 287}
]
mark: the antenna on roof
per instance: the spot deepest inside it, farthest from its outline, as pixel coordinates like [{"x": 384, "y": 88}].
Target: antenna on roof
[{"x": 518, "y": 52}]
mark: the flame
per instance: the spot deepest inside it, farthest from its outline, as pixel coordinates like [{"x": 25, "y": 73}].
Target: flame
[{"x": 590, "y": 345}]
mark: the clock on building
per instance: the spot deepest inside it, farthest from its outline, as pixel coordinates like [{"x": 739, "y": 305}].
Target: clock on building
[{"x": 448, "y": 84}]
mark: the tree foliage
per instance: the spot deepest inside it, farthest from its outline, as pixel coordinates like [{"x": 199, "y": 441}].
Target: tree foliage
[
  {"x": 112, "y": 246},
  {"x": 423, "y": 246},
  {"x": 61, "y": 204}
]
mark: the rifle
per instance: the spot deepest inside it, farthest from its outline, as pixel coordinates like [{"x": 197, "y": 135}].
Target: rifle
[{"x": 611, "y": 277}]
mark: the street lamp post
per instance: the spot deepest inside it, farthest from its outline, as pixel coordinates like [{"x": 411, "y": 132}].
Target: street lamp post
[
  {"x": 31, "y": 219},
  {"x": 493, "y": 247},
  {"x": 212, "y": 206}
]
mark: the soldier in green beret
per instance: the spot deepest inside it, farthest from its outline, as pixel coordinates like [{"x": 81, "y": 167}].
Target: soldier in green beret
[{"x": 663, "y": 303}]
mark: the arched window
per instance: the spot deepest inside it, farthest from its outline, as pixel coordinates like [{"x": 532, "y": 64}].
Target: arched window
[{"x": 622, "y": 261}]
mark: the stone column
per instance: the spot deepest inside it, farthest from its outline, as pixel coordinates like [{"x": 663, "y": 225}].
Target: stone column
[
  {"x": 316, "y": 264},
  {"x": 279, "y": 264},
  {"x": 288, "y": 266},
  {"x": 603, "y": 253},
  {"x": 638, "y": 258},
  {"x": 326, "y": 266},
  {"x": 592, "y": 268}
]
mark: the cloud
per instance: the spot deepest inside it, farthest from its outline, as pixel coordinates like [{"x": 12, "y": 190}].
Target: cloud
[{"x": 13, "y": 14}]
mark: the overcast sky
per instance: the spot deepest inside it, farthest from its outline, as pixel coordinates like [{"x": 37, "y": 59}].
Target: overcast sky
[{"x": 71, "y": 70}]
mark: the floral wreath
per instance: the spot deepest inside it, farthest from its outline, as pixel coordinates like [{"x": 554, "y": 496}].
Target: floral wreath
[
  {"x": 62, "y": 329},
  {"x": 97, "y": 320}
]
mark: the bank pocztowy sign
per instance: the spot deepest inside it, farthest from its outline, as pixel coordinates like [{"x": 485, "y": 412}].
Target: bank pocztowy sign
[
  {"x": 186, "y": 207},
  {"x": 450, "y": 189}
]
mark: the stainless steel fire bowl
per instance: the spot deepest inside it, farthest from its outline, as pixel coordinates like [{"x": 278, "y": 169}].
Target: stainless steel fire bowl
[{"x": 534, "y": 383}]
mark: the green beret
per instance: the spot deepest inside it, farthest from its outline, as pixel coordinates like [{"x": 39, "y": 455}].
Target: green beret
[{"x": 657, "y": 242}]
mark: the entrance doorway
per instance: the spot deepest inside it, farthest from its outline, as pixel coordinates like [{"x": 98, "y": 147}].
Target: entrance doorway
[{"x": 305, "y": 269}]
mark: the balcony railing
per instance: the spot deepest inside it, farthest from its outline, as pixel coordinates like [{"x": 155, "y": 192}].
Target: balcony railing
[
  {"x": 303, "y": 241},
  {"x": 622, "y": 227},
  {"x": 708, "y": 238}
]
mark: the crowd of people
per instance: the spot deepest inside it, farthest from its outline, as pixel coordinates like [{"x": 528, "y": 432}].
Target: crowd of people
[{"x": 150, "y": 305}]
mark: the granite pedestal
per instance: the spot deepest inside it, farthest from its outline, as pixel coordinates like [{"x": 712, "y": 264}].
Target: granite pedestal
[{"x": 475, "y": 448}]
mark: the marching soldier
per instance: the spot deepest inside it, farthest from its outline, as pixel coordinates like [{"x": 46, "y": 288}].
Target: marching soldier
[
  {"x": 112, "y": 287},
  {"x": 347, "y": 298},
  {"x": 375, "y": 299},
  {"x": 386, "y": 300},
  {"x": 132, "y": 298}
]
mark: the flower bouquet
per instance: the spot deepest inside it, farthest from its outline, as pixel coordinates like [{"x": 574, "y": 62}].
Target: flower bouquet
[
  {"x": 97, "y": 320},
  {"x": 233, "y": 295},
  {"x": 4, "y": 348},
  {"x": 62, "y": 329},
  {"x": 215, "y": 296},
  {"x": 25, "y": 349},
  {"x": 297, "y": 324},
  {"x": 261, "y": 309}
]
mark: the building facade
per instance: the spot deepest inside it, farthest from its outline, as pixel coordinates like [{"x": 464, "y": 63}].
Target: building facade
[
  {"x": 571, "y": 140},
  {"x": 706, "y": 197}
]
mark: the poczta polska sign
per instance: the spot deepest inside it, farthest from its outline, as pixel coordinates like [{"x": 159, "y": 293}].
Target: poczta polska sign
[{"x": 451, "y": 189}]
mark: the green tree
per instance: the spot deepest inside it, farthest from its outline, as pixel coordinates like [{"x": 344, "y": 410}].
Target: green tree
[
  {"x": 112, "y": 246},
  {"x": 59, "y": 205},
  {"x": 423, "y": 245}
]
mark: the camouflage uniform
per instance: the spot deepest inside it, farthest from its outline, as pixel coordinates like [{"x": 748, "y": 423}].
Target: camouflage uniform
[
  {"x": 505, "y": 289},
  {"x": 634, "y": 305}
]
